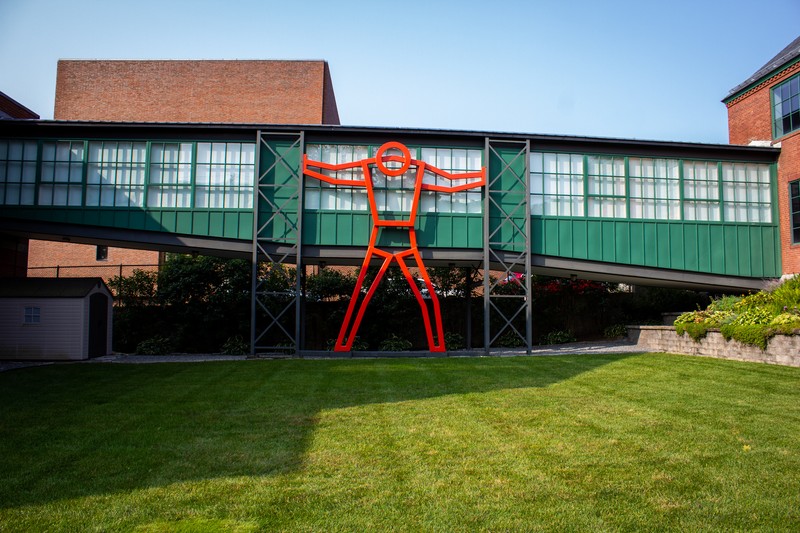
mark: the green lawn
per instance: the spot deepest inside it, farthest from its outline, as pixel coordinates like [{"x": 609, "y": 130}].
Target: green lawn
[{"x": 600, "y": 442}]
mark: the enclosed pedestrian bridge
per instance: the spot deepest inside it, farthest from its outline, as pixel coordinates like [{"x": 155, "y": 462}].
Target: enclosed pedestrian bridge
[{"x": 639, "y": 212}]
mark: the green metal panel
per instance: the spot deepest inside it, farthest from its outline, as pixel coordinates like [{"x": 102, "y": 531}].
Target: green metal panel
[
  {"x": 183, "y": 223},
  {"x": 200, "y": 222},
  {"x": 609, "y": 241},
  {"x": 168, "y": 221},
  {"x": 622, "y": 242},
  {"x": 579, "y": 241},
  {"x": 637, "y": 243},
  {"x": 717, "y": 247},
  {"x": 676, "y": 246},
  {"x": 594, "y": 232},
  {"x": 743, "y": 238},
  {"x": 690, "y": 249},
  {"x": 649, "y": 245}
]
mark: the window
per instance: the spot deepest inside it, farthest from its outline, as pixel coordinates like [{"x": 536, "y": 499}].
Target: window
[
  {"x": 101, "y": 253},
  {"x": 700, "y": 191},
  {"x": 116, "y": 174},
  {"x": 62, "y": 173},
  {"x": 17, "y": 172},
  {"x": 557, "y": 184},
  {"x": 786, "y": 107},
  {"x": 33, "y": 315},
  {"x": 746, "y": 192},
  {"x": 322, "y": 195},
  {"x": 170, "y": 175},
  {"x": 225, "y": 173},
  {"x": 453, "y": 160},
  {"x": 655, "y": 188},
  {"x": 606, "y": 187},
  {"x": 794, "y": 203},
  {"x": 393, "y": 194}
]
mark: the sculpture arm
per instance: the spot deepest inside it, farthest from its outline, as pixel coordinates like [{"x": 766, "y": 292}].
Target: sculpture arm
[
  {"x": 309, "y": 166},
  {"x": 478, "y": 178}
]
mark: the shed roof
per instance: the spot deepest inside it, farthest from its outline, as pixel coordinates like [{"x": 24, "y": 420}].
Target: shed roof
[
  {"x": 49, "y": 287},
  {"x": 791, "y": 52}
]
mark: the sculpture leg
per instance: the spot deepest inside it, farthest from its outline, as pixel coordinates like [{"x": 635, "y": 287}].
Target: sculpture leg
[
  {"x": 347, "y": 333},
  {"x": 438, "y": 344}
]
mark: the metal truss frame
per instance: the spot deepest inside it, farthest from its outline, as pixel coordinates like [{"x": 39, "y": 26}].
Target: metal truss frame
[
  {"x": 507, "y": 198},
  {"x": 276, "y": 307}
]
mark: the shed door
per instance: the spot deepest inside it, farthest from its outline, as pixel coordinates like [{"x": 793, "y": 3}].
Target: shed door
[{"x": 98, "y": 324}]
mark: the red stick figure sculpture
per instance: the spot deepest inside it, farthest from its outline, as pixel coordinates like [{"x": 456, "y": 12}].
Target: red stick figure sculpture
[{"x": 387, "y": 165}]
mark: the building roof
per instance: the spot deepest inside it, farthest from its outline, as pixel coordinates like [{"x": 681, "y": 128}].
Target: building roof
[
  {"x": 785, "y": 56},
  {"x": 10, "y": 108},
  {"x": 48, "y": 287}
]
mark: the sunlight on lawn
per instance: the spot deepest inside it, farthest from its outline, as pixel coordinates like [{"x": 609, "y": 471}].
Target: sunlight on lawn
[{"x": 574, "y": 442}]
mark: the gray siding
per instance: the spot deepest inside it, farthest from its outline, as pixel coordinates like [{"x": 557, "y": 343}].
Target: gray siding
[{"x": 61, "y": 334}]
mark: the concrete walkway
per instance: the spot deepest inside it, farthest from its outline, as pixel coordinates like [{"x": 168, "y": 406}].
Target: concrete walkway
[{"x": 573, "y": 348}]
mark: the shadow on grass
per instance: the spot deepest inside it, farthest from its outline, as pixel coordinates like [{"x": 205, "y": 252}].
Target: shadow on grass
[{"x": 69, "y": 431}]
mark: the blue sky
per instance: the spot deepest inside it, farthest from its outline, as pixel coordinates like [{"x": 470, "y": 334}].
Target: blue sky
[{"x": 642, "y": 70}]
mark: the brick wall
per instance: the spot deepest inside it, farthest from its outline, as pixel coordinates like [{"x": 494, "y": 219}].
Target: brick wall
[
  {"x": 267, "y": 92},
  {"x": 781, "y": 350},
  {"x": 49, "y": 259},
  {"x": 750, "y": 119}
]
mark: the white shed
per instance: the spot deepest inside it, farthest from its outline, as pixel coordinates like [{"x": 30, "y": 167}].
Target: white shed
[{"x": 54, "y": 318}]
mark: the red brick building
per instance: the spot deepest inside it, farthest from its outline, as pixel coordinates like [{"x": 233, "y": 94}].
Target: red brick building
[
  {"x": 206, "y": 91},
  {"x": 253, "y": 92},
  {"x": 765, "y": 109}
]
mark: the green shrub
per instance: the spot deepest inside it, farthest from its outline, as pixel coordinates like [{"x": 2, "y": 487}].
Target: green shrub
[
  {"x": 786, "y": 296},
  {"x": 752, "y": 334},
  {"x": 615, "y": 331},
  {"x": 724, "y": 303},
  {"x": 750, "y": 316},
  {"x": 359, "y": 345},
  {"x": 156, "y": 345},
  {"x": 236, "y": 346},
  {"x": 696, "y": 330},
  {"x": 395, "y": 344},
  {"x": 559, "y": 337},
  {"x": 510, "y": 339},
  {"x": 454, "y": 341}
]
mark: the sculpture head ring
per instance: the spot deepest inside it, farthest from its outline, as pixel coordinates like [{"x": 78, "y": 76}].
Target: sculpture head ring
[{"x": 405, "y": 158}]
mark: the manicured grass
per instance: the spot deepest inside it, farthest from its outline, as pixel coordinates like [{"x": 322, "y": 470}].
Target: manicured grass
[{"x": 601, "y": 442}]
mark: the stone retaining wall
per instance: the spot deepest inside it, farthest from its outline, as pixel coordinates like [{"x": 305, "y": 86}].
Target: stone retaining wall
[{"x": 782, "y": 349}]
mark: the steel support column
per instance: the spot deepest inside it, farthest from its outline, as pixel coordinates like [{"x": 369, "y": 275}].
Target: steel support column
[
  {"x": 507, "y": 245},
  {"x": 276, "y": 321}
]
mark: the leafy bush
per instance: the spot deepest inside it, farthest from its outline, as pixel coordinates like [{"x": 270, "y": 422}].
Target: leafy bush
[
  {"x": 786, "y": 296},
  {"x": 395, "y": 344},
  {"x": 615, "y": 331},
  {"x": 156, "y": 345},
  {"x": 752, "y": 319},
  {"x": 359, "y": 345},
  {"x": 330, "y": 284},
  {"x": 559, "y": 337},
  {"x": 786, "y": 322},
  {"x": 752, "y": 334},
  {"x": 724, "y": 303},
  {"x": 236, "y": 346},
  {"x": 454, "y": 341},
  {"x": 510, "y": 339}
]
